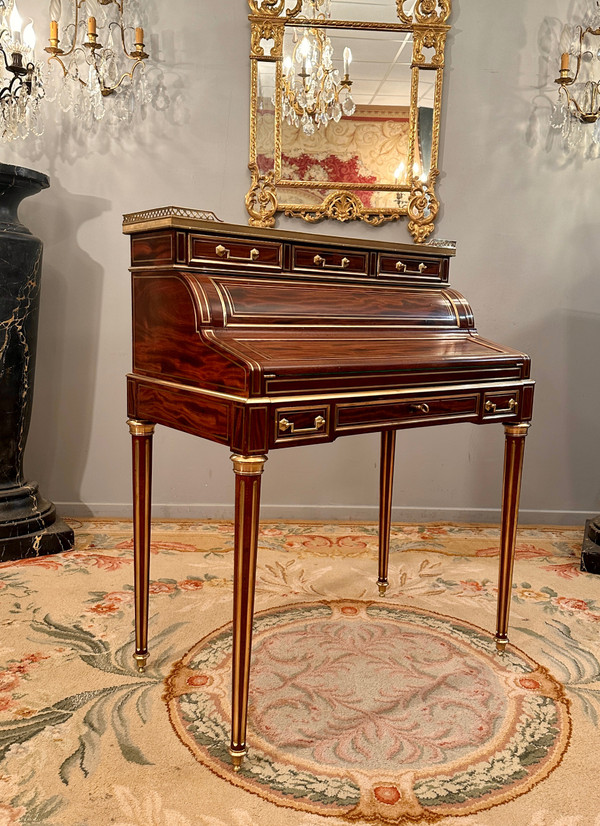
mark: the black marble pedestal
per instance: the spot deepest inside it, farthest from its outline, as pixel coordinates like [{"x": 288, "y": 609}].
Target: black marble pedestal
[
  {"x": 590, "y": 552},
  {"x": 28, "y": 524}
]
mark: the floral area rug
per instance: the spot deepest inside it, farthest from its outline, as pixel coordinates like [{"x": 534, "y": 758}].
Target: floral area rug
[{"x": 363, "y": 710}]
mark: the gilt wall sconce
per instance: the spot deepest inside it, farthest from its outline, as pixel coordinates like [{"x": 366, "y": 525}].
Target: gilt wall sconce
[
  {"x": 97, "y": 48},
  {"x": 577, "y": 111}
]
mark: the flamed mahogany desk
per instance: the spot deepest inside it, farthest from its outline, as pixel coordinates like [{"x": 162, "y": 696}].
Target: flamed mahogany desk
[{"x": 261, "y": 340}]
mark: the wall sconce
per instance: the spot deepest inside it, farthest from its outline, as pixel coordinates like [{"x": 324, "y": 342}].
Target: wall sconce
[
  {"x": 103, "y": 50},
  {"x": 21, "y": 85},
  {"x": 579, "y": 82}
]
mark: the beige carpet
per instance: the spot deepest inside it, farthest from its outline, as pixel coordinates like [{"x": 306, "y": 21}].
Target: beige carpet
[{"x": 363, "y": 710}]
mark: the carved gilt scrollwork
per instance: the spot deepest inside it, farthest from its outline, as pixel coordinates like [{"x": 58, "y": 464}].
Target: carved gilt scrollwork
[
  {"x": 261, "y": 199},
  {"x": 423, "y": 207},
  {"x": 429, "y": 39},
  {"x": 342, "y": 206},
  {"x": 425, "y": 11},
  {"x": 296, "y": 10},
  {"x": 266, "y": 30},
  {"x": 272, "y": 8}
]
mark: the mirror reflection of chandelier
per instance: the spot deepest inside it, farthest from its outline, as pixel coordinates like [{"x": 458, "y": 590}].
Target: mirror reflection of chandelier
[
  {"x": 313, "y": 91},
  {"x": 21, "y": 88}
]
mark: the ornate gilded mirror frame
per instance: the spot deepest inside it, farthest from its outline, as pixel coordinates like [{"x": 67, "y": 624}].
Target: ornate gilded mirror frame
[{"x": 425, "y": 22}]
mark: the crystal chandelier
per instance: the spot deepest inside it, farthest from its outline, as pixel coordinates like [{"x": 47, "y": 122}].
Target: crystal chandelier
[
  {"x": 102, "y": 50},
  {"x": 22, "y": 88},
  {"x": 313, "y": 92},
  {"x": 579, "y": 83}
]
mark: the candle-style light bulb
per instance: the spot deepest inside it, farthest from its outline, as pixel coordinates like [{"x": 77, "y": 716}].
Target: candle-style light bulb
[
  {"x": 347, "y": 60},
  {"x": 287, "y": 64},
  {"x": 304, "y": 49},
  {"x": 29, "y": 36},
  {"x": 15, "y": 22}
]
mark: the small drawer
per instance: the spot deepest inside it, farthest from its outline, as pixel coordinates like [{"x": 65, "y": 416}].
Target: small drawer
[
  {"x": 330, "y": 261},
  {"x": 301, "y": 423},
  {"x": 361, "y": 416},
  {"x": 501, "y": 405},
  {"x": 410, "y": 267},
  {"x": 233, "y": 253}
]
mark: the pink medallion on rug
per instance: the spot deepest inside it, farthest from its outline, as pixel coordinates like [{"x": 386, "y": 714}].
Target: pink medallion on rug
[{"x": 374, "y": 710}]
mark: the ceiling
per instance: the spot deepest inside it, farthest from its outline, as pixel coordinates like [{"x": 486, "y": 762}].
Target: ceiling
[{"x": 380, "y": 69}]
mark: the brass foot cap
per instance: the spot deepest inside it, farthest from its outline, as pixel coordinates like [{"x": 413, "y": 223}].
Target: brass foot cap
[
  {"x": 501, "y": 643},
  {"x": 382, "y": 584},
  {"x": 140, "y": 661},
  {"x": 237, "y": 758}
]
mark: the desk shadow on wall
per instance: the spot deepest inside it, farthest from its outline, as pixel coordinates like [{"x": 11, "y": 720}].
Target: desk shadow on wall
[{"x": 68, "y": 341}]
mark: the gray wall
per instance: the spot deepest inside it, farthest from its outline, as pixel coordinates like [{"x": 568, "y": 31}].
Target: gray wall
[{"x": 525, "y": 220}]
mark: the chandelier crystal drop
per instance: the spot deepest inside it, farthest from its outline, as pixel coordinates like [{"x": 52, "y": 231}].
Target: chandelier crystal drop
[
  {"x": 314, "y": 93},
  {"x": 97, "y": 49},
  {"x": 21, "y": 83}
]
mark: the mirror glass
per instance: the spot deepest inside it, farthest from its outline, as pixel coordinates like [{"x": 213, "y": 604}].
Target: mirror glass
[{"x": 345, "y": 113}]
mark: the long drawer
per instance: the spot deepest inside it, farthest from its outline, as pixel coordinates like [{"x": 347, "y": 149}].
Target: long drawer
[
  {"x": 365, "y": 415},
  {"x": 232, "y": 252}
]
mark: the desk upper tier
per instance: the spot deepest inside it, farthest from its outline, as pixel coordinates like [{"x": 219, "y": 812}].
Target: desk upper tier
[{"x": 261, "y": 339}]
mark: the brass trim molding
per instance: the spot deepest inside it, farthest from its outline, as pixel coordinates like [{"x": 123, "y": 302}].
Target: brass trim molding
[{"x": 419, "y": 203}]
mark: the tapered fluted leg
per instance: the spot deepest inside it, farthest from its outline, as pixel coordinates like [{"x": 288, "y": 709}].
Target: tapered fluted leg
[
  {"x": 386, "y": 485},
  {"x": 141, "y": 443},
  {"x": 248, "y": 470},
  {"x": 511, "y": 490}
]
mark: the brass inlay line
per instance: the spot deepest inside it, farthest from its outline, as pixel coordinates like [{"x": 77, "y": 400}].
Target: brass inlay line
[{"x": 324, "y": 397}]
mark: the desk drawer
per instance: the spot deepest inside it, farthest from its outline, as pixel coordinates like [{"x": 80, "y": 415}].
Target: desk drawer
[
  {"x": 295, "y": 424},
  {"x": 330, "y": 261},
  {"x": 367, "y": 415},
  {"x": 408, "y": 266},
  {"x": 230, "y": 252},
  {"x": 501, "y": 405}
]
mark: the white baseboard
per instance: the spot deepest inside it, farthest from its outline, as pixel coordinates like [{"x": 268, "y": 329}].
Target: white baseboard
[{"x": 325, "y": 513}]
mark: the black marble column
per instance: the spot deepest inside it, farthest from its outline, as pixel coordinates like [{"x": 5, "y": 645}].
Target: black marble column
[
  {"x": 28, "y": 523},
  {"x": 590, "y": 552}
]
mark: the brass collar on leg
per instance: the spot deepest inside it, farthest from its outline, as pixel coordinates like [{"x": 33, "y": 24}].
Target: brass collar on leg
[
  {"x": 248, "y": 465},
  {"x": 137, "y": 428},
  {"x": 517, "y": 429}
]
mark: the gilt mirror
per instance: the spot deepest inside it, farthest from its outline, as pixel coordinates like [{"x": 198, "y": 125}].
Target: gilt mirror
[{"x": 345, "y": 110}]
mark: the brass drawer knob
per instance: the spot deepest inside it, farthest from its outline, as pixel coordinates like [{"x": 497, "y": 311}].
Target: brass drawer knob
[
  {"x": 318, "y": 259},
  {"x": 422, "y": 408},
  {"x": 345, "y": 263},
  {"x": 285, "y": 425},
  {"x": 491, "y": 407}
]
